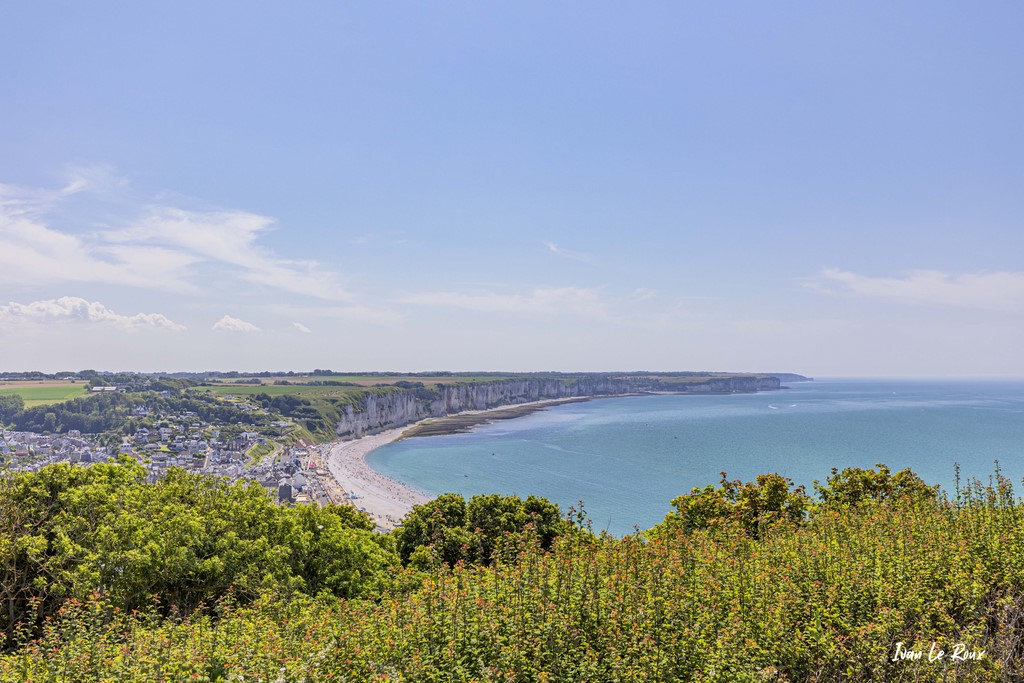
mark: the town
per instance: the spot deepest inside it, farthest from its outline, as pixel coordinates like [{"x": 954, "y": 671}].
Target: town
[{"x": 293, "y": 472}]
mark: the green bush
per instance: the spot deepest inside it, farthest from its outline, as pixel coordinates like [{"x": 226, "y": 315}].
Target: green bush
[
  {"x": 447, "y": 530},
  {"x": 67, "y": 532},
  {"x": 753, "y": 505}
]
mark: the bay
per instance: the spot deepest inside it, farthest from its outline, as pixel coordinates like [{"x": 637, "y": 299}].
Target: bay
[{"x": 626, "y": 458}]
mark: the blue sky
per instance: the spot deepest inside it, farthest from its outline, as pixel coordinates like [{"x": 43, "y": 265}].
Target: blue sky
[{"x": 827, "y": 188}]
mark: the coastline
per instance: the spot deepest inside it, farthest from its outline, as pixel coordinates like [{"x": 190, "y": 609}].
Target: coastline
[{"x": 386, "y": 500}]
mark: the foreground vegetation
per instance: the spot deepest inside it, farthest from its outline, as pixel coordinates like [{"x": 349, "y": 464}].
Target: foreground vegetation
[{"x": 748, "y": 581}]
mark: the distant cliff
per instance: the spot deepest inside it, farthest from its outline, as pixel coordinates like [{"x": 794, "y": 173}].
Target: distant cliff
[
  {"x": 376, "y": 412},
  {"x": 789, "y": 377}
]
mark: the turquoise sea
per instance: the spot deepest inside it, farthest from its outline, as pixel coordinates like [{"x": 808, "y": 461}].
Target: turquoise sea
[{"x": 626, "y": 458}]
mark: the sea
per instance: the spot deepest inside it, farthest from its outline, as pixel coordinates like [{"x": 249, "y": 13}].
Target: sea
[{"x": 624, "y": 459}]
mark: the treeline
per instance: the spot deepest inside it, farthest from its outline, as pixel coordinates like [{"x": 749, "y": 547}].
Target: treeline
[
  {"x": 112, "y": 412},
  {"x": 419, "y": 390},
  {"x": 130, "y": 381},
  {"x": 10, "y": 405},
  {"x": 315, "y": 383}
]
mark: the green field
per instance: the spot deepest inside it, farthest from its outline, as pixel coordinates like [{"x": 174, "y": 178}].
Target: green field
[
  {"x": 370, "y": 380},
  {"x": 305, "y": 390},
  {"x": 44, "y": 393}
]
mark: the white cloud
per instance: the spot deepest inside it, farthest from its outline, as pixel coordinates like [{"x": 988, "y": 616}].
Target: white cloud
[
  {"x": 75, "y": 309},
  {"x": 567, "y": 253},
  {"x": 16, "y": 200},
  {"x": 229, "y": 238},
  {"x": 644, "y": 294},
  {"x": 302, "y": 328},
  {"x": 229, "y": 324},
  {"x": 156, "y": 247},
  {"x": 33, "y": 253},
  {"x": 546, "y": 301},
  {"x": 994, "y": 291}
]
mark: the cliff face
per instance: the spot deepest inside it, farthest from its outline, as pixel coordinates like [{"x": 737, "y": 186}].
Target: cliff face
[
  {"x": 381, "y": 411},
  {"x": 723, "y": 385},
  {"x": 458, "y": 397}
]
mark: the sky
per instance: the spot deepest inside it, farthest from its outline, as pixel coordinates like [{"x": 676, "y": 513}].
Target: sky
[{"x": 833, "y": 189}]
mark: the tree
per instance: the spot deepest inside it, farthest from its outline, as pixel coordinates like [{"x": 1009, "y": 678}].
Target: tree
[
  {"x": 756, "y": 505},
  {"x": 854, "y": 486},
  {"x": 335, "y": 551},
  {"x": 497, "y": 519},
  {"x": 447, "y": 530},
  {"x": 435, "y": 529},
  {"x": 10, "y": 405},
  {"x": 68, "y": 531}
]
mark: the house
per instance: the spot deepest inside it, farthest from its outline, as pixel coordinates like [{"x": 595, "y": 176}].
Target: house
[{"x": 284, "y": 492}]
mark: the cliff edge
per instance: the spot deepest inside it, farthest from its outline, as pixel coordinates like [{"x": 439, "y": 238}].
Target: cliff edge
[{"x": 376, "y": 412}]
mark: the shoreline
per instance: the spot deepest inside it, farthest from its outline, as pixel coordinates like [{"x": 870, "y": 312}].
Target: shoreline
[
  {"x": 460, "y": 423},
  {"x": 387, "y": 500}
]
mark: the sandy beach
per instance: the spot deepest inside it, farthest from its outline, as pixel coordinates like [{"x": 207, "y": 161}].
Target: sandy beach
[{"x": 385, "y": 499}]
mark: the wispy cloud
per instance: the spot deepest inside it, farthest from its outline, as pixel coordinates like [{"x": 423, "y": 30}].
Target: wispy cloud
[
  {"x": 644, "y": 294},
  {"x": 75, "y": 309},
  {"x": 568, "y": 253},
  {"x": 31, "y": 252},
  {"x": 229, "y": 239},
  {"x": 302, "y": 328},
  {"x": 229, "y": 324},
  {"x": 544, "y": 301},
  {"x": 994, "y": 291},
  {"x": 153, "y": 247}
]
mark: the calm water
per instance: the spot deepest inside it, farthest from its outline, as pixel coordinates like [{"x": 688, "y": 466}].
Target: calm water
[{"x": 626, "y": 458}]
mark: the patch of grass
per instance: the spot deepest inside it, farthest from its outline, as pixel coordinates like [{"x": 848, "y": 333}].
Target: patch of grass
[{"x": 258, "y": 452}]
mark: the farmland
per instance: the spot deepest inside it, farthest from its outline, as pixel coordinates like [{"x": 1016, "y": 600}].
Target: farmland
[
  {"x": 305, "y": 390},
  {"x": 44, "y": 392},
  {"x": 331, "y": 386},
  {"x": 362, "y": 380}
]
